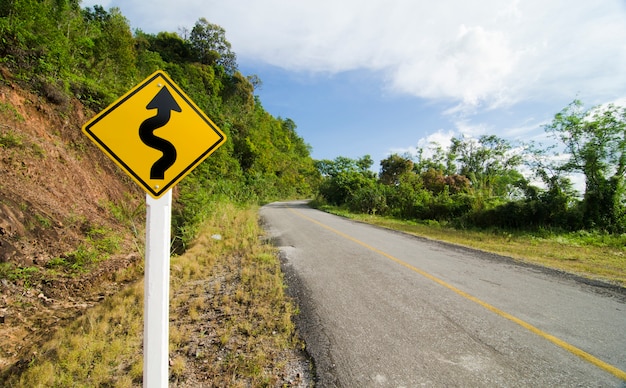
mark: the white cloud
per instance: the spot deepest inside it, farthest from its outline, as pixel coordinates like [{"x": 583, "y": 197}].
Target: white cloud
[
  {"x": 471, "y": 67},
  {"x": 476, "y": 55},
  {"x": 440, "y": 137},
  {"x": 427, "y": 144},
  {"x": 467, "y": 129}
]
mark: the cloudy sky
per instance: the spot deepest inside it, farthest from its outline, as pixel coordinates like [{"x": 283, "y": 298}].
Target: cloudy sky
[{"x": 381, "y": 76}]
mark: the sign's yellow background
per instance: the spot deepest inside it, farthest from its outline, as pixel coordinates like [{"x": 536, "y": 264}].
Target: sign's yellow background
[{"x": 116, "y": 131}]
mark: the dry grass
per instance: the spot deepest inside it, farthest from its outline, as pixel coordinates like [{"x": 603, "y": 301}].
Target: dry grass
[
  {"x": 100, "y": 348},
  {"x": 230, "y": 321},
  {"x": 596, "y": 257}
]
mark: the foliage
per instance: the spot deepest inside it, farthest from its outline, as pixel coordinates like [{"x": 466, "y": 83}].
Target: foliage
[
  {"x": 393, "y": 168},
  {"x": 208, "y": 42},
  {"x": 10, "y": 140},
  {"x": 99, "y": 244},
  {"x": 595, "y": 141},
  {"x": 488, "y": 163},
  {"x": 478, "y": 183},
  {"x": 63, "y": 52},
  {"x": 344, "y": 178},
  {"x": 14, "y": 273}
]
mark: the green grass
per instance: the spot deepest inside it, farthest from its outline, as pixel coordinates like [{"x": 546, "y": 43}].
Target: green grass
[
  {"x": 9, "y": 109},
  {"x": 11, "y": 140},
  {"x": 101, "y": 348},
  {"x": 592, "y": 255},
  {"x": 99, "y": 244},
  {"x": 17, "y": 274}
]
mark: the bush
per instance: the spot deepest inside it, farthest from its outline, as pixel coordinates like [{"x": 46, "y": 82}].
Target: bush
[
  {"x": 369, "y": 200},
  {"x": 448, "y": 207},
  {"x": 339, "y": 189}
]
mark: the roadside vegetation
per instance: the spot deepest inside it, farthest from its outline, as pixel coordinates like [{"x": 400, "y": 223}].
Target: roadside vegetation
[
  {"x": 478, "y": 192},
  {"x": 231, "y": 322},
  {"x": 592, "y": 255},
  {"x": 63, "y": 51}
]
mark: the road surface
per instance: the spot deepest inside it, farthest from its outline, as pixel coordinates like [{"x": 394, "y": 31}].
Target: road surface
[{"x": 385, "y": 309}]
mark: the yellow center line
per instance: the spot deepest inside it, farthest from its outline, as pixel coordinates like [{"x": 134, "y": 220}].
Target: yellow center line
[{"x": 559, "y": 342}]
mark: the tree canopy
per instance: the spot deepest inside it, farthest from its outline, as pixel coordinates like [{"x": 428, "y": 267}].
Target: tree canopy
[
  {"x": 595, "y": 141},
  {"x": 479, "y": 181},
  {"x": 63, "y": 51}
]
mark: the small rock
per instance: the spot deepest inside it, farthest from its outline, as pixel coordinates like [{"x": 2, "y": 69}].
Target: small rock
[
  {"x": 216, "y": 237},
  {"x": 44, "y": 298}
]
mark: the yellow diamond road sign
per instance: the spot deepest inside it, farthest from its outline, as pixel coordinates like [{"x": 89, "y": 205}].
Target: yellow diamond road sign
[{"x": 155, "y": 133}]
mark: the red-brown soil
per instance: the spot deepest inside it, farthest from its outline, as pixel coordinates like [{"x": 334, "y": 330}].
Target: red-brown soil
[{"x": 55, "y": 187}]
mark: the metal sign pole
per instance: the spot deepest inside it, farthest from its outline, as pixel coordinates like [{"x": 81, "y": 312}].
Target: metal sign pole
[{"x": 156, "y": 291}]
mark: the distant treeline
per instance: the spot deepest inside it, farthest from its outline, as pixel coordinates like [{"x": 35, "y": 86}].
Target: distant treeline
[
  {"x": 61, "y": 51},
  {"x": 479, "y": 182}
]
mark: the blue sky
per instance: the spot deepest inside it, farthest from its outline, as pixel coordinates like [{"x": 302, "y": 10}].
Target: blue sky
[{"x": 382, "y": 76}]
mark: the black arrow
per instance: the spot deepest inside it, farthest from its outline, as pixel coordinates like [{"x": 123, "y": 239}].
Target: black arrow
[{"x": 164, "y": 103}]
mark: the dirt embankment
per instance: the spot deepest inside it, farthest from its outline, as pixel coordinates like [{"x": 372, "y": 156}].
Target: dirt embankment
[{"x": 59, "y": 198}]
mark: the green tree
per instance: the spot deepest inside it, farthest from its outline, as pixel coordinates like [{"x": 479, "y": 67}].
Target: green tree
[
  {"x": 595, "y": 141},
  {"x": 208, "y": 42},
  {"x": 39, "y": 39},
  {"x": 113, "y": 55},
  {"x": 489, "y": 162},
  {"x": 330, "y": 168},
  {"x": 393, "y": 168},
  {"x": 170, "y": 46},
  {"x": 343, "y": 177},
  {"x": 440, "y": 160}
]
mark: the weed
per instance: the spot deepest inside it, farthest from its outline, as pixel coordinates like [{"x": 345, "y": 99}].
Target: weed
[
  {"x": 10, "y": 109},
  {"x": 177, "y": 337},
  {"x": 17, "y": 274},
  {"x": 91, "y": 350},
  {"x": 99, "y": 244},
  {"x": 131, "y": 215},
  {"x": 178, "y": 367},
  {"x": 38, "y": 150},
  {"x": 5, "y": 270},
  {"x": 75, "y": 219},
  {"x": 43, "y": 221},
  {"x": 104, "y": 240},
  {"x": 11, "y": 140},
  {"x": 126, "y": 212}
]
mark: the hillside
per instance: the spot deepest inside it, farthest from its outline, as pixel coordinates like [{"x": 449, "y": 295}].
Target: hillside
[
  {"x": 71, "y": 223},
  {"x": 61, "y": 247}
]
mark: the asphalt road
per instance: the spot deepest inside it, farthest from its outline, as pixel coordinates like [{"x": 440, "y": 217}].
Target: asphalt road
[{"x": 381, "y": 308}]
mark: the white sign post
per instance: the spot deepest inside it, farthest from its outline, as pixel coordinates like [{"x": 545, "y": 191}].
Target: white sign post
[
  {"x": 156, "y": 292},
  {"x": 125, "y": 132}
]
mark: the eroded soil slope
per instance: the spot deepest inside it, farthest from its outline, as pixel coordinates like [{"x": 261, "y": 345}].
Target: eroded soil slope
[{"x": 70, "y": 221}]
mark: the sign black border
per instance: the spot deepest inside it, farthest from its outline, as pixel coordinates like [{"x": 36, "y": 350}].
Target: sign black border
[{"x": 187, "y": 169}]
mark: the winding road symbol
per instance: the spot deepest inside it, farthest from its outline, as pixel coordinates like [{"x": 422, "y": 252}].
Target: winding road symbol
[
  {"x": 164, "y": 103},
  {"x": 129, "y": 131}
]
